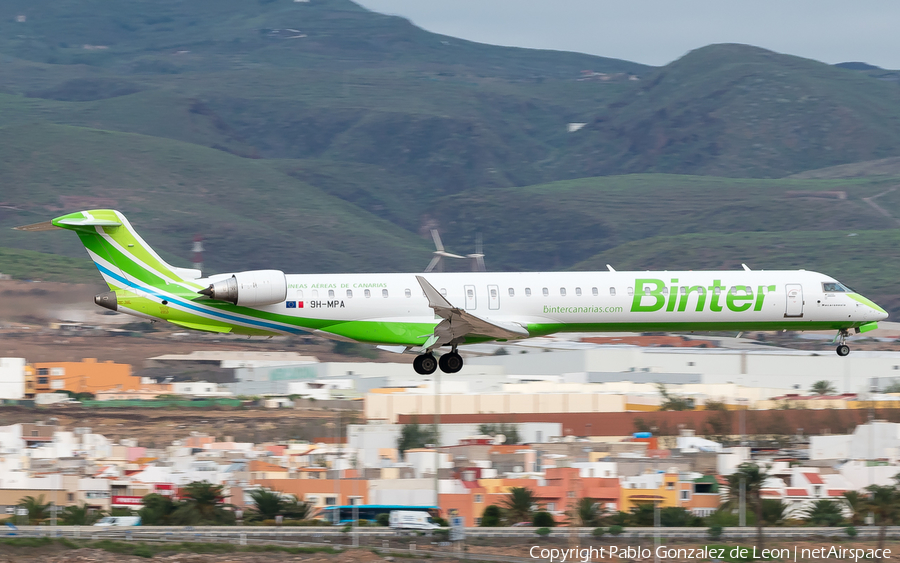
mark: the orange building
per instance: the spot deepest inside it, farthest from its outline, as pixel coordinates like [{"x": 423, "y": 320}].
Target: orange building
[
  {"x": 86, "y": 376},
  {"x": 320, "y": 492}
]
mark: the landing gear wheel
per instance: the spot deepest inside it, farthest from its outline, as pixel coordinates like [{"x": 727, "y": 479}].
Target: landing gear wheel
[
  {"x": 451, "y": 362},
  {"x": 425, "y": 364},
  {"x": 843, "y": 350}
]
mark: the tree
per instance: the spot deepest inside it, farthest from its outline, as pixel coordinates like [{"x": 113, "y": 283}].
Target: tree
[
  {"x": 642, "y": 514},
  {"x": 824, "y": 512},
  {"x": 586, "y": 513},
  {"x": 893, "y": 387},
  {"x": 80, "y": 515},
  {"x": 491, "y": 516},
  {"x": 543, "y": 519},
  {"x": 823, "y": 387},
  {"x": 857, "y": 504},
  {"x": 774, "y": 512},
  {"x": 413, "y": 436},
  {"x": 38, "y": 511},
  {"x": 884, "y": 502},
  {"x": 266, "y": 504},
  {"x": 675, "y": 517},
  {"x": 202, "y": 503},
  {"x": 718, "y": 422},
  {"x": 672, "y": 402},
  {"x": 753, "y": 477},
  {"x": 157, "y": 510},
  {"x": 520, "y": 504}
]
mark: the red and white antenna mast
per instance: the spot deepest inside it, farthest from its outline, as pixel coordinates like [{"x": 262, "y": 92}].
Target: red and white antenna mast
[{"x": 197, "y": 249}]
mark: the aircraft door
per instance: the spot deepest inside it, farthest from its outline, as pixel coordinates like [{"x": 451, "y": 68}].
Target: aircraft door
[
  {"x": 794, "y": 294},
  {"x": 493, "y": 297},
  {"x": 470, "y": 297}
]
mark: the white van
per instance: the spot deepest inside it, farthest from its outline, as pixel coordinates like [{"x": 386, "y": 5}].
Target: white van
[
  {"x": 119, "y": 521},
  {"x": 412, "y": 520}
]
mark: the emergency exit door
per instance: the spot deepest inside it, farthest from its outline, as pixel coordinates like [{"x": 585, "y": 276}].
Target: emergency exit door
[
  {"x": 794, "y": 294},
  {"x": 470, "y": 297},
  {"x": 493, "y": 297}
]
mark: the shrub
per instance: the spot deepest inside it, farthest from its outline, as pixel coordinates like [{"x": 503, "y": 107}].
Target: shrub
[
  {"x": 544, "y": 532},
  {"x": 851, "y": 531},
  {"x": 543, "y": 519},
  {"x": 616, "y": 530},
  {"x": 383, "y": 519},
  {"x": 490, "y": 518},
  {"x": 598, "y": 532},
  {"x": 714, "y": 532},
  {"x": 440, "y": 521}
]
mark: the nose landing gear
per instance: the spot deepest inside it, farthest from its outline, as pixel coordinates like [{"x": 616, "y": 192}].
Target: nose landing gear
[{"x": 842, "y": 348}]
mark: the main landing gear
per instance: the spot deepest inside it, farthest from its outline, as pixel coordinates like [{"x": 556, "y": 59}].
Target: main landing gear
[
  {"x": 842, "y": 349},
  {"x": 426, "y": 364}
]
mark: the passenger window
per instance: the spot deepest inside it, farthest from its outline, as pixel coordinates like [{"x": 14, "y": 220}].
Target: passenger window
[
  {"x": 630, "y": 291},
  {"x": 612, "y": 291},
  {"x": 646, "y": 291},
  {"x": 384, "y": 293},
  {"x": 683, "y": 290},
  {"x": 300, "y": 294},
  {"x": 546, "y": 292},
  {"x": 315, "y": 293},
  {"x": 444, "y": 291},
  {"x": 527, "y": 292},
  {"x": 349, "y": 294},
  {"x": 578, "y": 291},
  {"x": 331, "y": 294},
  {"x": 595, "y": 292},
  {"x": 367, "y": 293},
  {"x": 562, "y": 291},
  {"x": 408, "y": 293},
  {"x": 512, "y": 292},
  {"x": 718, "y": 290},
  {"x": 665, "y": 291}
]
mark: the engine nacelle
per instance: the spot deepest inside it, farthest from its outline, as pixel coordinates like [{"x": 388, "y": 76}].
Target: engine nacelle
[{"x": 251, "y": 289}]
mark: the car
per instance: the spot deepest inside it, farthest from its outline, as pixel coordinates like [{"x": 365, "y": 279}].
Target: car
[{"x": 522, "y": 525}]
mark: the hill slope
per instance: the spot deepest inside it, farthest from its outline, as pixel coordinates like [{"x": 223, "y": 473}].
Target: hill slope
[
  {"x": 735, "y": 110},
  {"x": 250, "y": 215}
]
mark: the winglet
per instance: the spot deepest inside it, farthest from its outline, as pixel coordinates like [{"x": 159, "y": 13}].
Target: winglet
[
  {"x": 610, "y": 268},
  {"x": 746, "y": 269},
  {"x": 435, "y": 299}
]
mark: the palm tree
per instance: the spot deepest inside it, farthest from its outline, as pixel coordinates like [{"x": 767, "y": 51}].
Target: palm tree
[
  {"x": 520, "y": 504},
  {"x": 586, "y": 513},
  {"x": 824, "y": 512},
  {"x": 202, "y": 502},
  {"x": 157, "y": 510},
  {"x": 823, "y": 387},
  {"x": 753, "y": 477},
  {"x": 884, "y": 502},
  {"x": 857, "y": 504},
  {"x": 80, "y": 515},
  {"x": 38, "y": 511},
  {"x": 774, "y": 512},
  {"x": 266, "y": 504}
]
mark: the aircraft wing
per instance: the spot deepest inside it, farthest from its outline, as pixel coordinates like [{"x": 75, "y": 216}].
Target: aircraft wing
[{"x": 458, "y": 322}]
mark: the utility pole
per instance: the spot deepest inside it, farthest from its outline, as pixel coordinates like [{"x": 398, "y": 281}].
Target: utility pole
[
  {"x": 437, "y": 442},
  {"x": 742, "y": 504},
  {"x": 656, "y": 523}
]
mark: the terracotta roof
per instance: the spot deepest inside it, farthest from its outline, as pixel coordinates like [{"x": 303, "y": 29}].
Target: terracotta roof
[
  {"x": 814, "y": 478},
  {"x": 836, "y": 492},
  {"x": 769, "y": 493},
  {"x": 797, "y": 493},
  {"x": 257, "y": 465}
]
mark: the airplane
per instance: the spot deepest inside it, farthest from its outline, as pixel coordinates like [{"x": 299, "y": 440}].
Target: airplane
[{"x": 422, "y": 313}]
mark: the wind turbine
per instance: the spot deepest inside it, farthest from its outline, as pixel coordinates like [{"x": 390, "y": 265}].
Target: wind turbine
[
  {"x": 437, "y": 263},
  {"x": 478, "y": 257}
]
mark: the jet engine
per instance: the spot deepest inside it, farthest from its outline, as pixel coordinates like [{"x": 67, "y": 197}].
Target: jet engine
[{"x": 250, "y": 289}]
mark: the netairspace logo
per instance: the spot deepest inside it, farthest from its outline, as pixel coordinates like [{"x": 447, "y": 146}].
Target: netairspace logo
[{"x": 637, "y": 553}]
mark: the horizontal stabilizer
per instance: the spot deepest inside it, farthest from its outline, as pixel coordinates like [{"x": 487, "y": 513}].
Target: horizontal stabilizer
[{"x": 36, "y": 227}]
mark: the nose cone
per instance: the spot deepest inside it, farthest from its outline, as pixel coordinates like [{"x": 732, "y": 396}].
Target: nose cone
[{"x": 870, "y": 310}]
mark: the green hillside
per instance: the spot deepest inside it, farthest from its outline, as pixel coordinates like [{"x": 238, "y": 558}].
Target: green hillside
[
  {"x": 250, "y": 215},
  {"x": 27, "y": 264},
  {"x": 735, "y": 110},
  {"x": 556, "y": 225}
]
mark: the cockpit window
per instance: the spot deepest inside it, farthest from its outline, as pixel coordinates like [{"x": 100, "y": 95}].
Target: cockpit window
[{"x": 834, "y": 287}]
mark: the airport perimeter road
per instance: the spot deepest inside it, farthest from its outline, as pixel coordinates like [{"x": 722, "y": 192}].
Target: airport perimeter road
[{"x": 336, "y": 535}]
